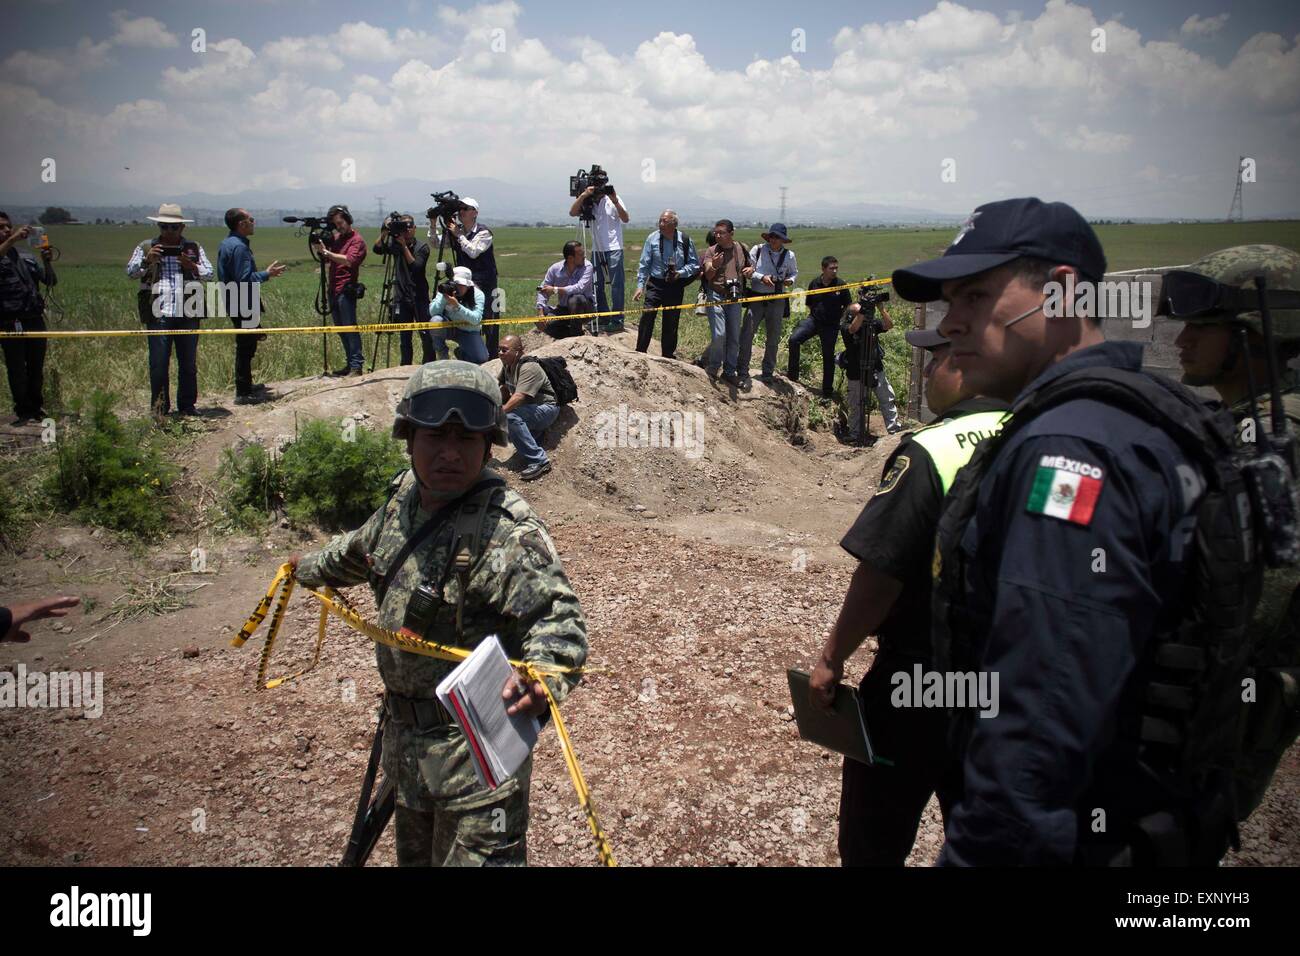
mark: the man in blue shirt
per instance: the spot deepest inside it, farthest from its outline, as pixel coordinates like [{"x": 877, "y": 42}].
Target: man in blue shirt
[
  {"x": 1063, "y": 549},
  {"x": 570, "y": 280},
  {"x": 668, "y": 263},
  {"x": 774, "y": 272},
  {"x": 238, "y": 272}
]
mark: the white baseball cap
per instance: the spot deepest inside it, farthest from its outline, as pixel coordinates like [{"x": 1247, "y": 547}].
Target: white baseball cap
[{"x": 472, "y": 203}]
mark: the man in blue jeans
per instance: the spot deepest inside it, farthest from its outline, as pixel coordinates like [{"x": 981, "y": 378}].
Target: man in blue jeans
[
  {"x": 530, "y": 406},
  {"x": 464, "y": 311},
  {"x": 170, "y": 269}
]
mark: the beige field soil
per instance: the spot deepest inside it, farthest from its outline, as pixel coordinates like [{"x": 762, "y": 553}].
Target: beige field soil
[{"x": 704, "y": 571}]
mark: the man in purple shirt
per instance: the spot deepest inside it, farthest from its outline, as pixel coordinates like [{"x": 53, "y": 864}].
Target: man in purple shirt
[
  {"x": 345, "y": 253},
  {"x": 572, "y": 281}
]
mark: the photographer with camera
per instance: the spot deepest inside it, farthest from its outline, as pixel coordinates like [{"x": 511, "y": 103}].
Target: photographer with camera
[
  {"x": 823, "y": 320},
  {"x": 599, "y": 203},
  {"x": 570, "y": 280},
  {"x": 345, "y": 250},
  {"x": 164, "y": 265},
  {"x": 668, "y": 262},
  {"x": 410, "y": 293},
  {"x": 461, "y": 303},
  {"x": 726, "y": 267},
  {"x": 472, "y": 245},
  {"x": 774, "y": 271},
  {"x": 861, "y": 327},
  {"x": 22, "y": 309},
  {"x": 235, "y": 264}
]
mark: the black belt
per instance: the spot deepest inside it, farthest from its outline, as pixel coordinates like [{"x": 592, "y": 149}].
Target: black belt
[{"x": 420, "y": 713}]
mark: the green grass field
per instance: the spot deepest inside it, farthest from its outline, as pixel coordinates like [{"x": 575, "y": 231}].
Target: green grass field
[{"x": 95, "y": 293}]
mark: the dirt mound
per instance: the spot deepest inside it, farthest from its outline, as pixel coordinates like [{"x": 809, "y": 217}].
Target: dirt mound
[{"x": 649, "y": 439}]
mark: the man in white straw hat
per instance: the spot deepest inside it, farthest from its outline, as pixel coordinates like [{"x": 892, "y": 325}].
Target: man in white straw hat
[{"x": 165, "y": 264}]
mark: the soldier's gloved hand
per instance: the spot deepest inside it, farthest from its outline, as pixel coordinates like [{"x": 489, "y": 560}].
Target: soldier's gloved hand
[{"x": 527, "y": 698}]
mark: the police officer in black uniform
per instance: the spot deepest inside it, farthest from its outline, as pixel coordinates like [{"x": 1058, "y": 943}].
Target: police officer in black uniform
[
  {"x": 881, "y": 806},
  {"x": 22, "y": 309},
  {"x": 1062, "y": 563}
]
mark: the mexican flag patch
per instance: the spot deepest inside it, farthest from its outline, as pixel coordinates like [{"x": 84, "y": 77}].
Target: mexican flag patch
[{"x": 1066, "y": 489}]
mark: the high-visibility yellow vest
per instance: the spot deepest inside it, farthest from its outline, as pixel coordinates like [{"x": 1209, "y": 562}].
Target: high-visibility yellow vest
[{"x": 950, "y": 443}]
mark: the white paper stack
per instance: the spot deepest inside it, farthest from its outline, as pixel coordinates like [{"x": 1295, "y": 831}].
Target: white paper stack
[{"x": 498, "y": 742}]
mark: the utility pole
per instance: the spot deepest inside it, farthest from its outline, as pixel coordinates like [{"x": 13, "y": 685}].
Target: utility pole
[
  {"x": 1234, "y": 212},
  {"x": 379, "y": 201},
  {"x": 783, "y": 189}
]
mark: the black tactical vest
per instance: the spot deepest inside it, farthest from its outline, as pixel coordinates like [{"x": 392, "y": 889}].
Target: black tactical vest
[
  {"x": 19, "y": 296},
  {"x": 1186, "y": 738}
]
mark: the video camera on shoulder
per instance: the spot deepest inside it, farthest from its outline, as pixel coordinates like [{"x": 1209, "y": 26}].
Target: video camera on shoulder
[
  {"x": 596, "y": 178},
  {"x": 397, "y": 224},
  {"x": 447, "y": 206}
]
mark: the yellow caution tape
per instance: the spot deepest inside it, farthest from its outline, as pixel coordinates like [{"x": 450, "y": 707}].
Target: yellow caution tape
[
  {"x": 389, "y": 327},
  {"x": 333, "y": 603}
]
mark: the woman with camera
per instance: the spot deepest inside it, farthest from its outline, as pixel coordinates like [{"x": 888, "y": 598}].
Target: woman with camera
[
  {"x": 345, "y": 253},
  {"x": 459, "y": 302}
]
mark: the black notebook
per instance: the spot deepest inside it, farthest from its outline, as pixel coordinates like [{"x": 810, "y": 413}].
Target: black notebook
[{"x": 842, "y": 729}]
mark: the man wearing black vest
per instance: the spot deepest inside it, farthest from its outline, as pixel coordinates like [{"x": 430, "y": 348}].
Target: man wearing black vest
[
  {"x": 472, "y": 245},
  {"x": 1064, "y": 597},
  {"x": 23, "y": 310}
]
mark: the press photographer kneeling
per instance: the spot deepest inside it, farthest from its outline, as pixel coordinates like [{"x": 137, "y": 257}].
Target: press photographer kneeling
[
  {"x": 860, "y": 328},
  {"x": 410, "y": 282},
  {"x": 459, "y": 302}
]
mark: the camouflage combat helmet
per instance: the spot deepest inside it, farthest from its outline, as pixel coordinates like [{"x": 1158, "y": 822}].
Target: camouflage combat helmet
[
  {"x": 1237, "y": 268},
  {"x": 438, "y": 390}
]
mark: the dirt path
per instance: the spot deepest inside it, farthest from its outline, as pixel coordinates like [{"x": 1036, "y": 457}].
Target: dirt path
[{"x": 696, "y": 605}]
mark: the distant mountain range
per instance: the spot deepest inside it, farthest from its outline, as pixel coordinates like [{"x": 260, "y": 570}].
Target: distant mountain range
[{"x": 501, "y": 202}]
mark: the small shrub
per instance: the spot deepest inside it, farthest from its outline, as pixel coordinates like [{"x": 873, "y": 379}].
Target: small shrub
[
  {"x": 111, "y": 473},
  {"x": 253, "y": 485},
  {"x": 334, "y": 482}
]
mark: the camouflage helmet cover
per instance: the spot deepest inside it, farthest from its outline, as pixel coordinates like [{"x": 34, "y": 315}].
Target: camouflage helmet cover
[
  {"x": 454, "y": 375},
  {"x": 1237, "y": 267}
]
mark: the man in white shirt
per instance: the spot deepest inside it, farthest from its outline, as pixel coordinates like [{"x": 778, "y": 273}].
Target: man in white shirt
[{"x": 607, "y": 250}]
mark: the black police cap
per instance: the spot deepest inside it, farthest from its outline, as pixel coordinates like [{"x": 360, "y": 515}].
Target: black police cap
[{"x": 999, "y": 232}]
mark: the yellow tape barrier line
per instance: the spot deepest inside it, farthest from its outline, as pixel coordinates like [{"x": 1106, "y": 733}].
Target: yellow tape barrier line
[
  {"x": 334, "y": 603},
  {"x": 388, "y": 327}
]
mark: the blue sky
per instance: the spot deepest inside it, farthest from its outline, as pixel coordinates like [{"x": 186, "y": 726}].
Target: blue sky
[{"x": 722, "y": 104}]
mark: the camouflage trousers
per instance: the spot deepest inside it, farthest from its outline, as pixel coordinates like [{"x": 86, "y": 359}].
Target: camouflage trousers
[{"x": 444, "y": 817}]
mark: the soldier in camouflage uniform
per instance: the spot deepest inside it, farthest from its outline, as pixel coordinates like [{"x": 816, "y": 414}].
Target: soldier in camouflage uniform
[
  {"x": 1212, "y": 353},
  {"x": 450, "y": 415}
]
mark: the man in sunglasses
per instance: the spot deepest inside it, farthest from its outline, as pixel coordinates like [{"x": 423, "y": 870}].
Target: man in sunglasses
[
  {"x": 1222, "y": 345},
  {"x": 512, "y": 585},
  {"x": 165, "y": 266},
  {"x": 1062, "y": 565}
]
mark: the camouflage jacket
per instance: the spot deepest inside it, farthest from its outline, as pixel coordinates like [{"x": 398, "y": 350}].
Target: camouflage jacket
[{"x": 517, "y": 588}]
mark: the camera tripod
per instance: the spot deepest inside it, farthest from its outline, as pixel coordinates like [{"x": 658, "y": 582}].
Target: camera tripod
[
  {"x": 389, "y": 255},
  {"x": 322, "y": 304},
  {"x": 585, "y": 218}
]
